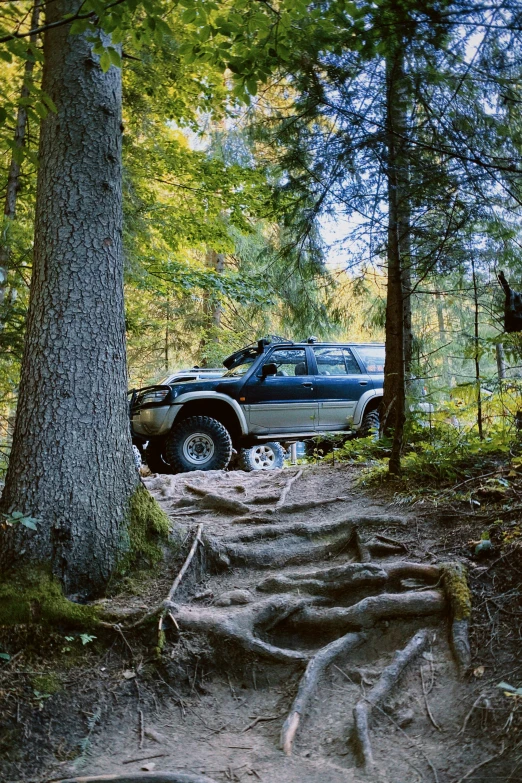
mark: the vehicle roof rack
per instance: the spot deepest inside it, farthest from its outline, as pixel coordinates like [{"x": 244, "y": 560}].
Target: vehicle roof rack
[{"x": 272, "y": 339}]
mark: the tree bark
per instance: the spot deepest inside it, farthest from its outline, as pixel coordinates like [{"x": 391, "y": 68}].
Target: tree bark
[
  {"x": 394, "y": 400},
  {"x": 71, "y": 465},
  {"x": 212, "y": 309},
  {"x": 15, "y": 166}
]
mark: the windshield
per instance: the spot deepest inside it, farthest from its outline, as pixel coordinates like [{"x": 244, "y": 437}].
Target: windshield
[
  {"x": 372, "y": 356},
  {"x": 245, "y": 363}
]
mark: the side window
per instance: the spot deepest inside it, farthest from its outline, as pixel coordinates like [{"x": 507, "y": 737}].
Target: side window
[
  {"x": 290, "y": 361},
  {"x": 336, "y": 361}
]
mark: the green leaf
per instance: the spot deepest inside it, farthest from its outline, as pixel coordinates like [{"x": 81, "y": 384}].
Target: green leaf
[
  {"x": 7, "y": 56},
  {"x": 5, "y": 656},
  {"x": 105, "y": 61},
  {"x": 41, "y": 110},
  {"x": 16, "y": 515},
  {"x": 188, "y": 16},
  {"x": 3, "y": 115},
  {"x": 29, "y": 522},
  {"x": 115, "y": 56}
]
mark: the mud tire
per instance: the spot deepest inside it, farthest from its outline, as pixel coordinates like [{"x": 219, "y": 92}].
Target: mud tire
[
  {"x": 198, "y": 443},
  {"x": 370, "y": 425},
  {"x": 262, "y": 456},
  {"x": 155, "y": 460}
]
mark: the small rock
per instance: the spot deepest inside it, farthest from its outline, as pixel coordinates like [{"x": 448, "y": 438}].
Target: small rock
[
  {"x": 404, "y": 718},
  {"x": 234, "y": 597},
  {"x": 148, "y": 767},
  {"x": 203, "y": 595}
]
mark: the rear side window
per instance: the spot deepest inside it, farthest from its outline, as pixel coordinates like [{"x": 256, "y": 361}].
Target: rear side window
[
  {"x": 336, "y": 361},
  {"x": 290, "y": 361},
  {"x": 372, "y": 357}
]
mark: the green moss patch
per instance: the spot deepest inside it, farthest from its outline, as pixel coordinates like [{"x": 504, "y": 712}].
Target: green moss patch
[
  {"x": 48, "y": 683},
  {"x": 148, "y": 529},
  {"x": 456, "y": 589},
  {"x": 35, "y": 596}
]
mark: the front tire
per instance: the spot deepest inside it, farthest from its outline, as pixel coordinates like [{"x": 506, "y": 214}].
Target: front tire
[
  {"x": 155, "y": 461},
  {"x": 198, "y": 443},
  {"x": 262, "y": 456},
  {"x": 370, "y": 425}
]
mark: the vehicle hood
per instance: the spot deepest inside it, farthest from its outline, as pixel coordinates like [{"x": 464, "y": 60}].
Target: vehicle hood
[{"x": 220, "y": 385}]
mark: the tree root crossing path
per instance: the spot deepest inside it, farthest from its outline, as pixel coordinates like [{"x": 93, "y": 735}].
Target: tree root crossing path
[{"x": 308, "y": 635}]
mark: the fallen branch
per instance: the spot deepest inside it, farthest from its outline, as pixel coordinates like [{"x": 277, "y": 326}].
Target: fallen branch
[
  {"x": 287, "y": 488},
  {"x": 309, "y": 682},
  {"x": 459, "y": 597},
  {"x": 140, "y": 777},
  {"x": 388, "y": 679},
  {"x": 177, "y": 580}
]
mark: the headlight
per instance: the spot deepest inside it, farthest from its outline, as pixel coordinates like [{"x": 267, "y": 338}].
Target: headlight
[{"x": 154, "y": 396}]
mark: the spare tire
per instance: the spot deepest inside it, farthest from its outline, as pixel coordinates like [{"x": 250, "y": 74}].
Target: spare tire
[{"x": 198, "y": 443}]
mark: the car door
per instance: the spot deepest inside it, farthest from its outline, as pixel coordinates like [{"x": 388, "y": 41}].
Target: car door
[
  {"x": 339, "y": 383},
  {"x": 285, "y": 402}
]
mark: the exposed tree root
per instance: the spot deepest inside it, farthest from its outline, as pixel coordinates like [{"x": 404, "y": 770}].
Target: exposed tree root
[
  {"x": 362, "y": 549},
  {"x": 240, "y": 624},
  {"x": 176, "y": 584},
  {"x": 140, "y": 777},
  {"x": 338, "y": 579},
  {"x": 308, "y": 505},
  {"x": 287, "y": 488},
  {"x": 218, "y": 502},
  {"x": 369, "y": 611},
  {"x": 309, "y": 682},
  {"x": 380, "y": 691},
  {"x": 459, "y": 596}
]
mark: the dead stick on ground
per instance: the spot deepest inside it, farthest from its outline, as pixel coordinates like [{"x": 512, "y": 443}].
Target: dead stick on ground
[
  {"x": 479, "y": 766},
  {"x": 177, "y": 580},
  {"x": 140, "y": 777},
  {"x": 144, "y": 758},
  {"x": 309, "y": 683},
  {"x": 142, "y": 728},
  {"x": 287, "y": 488},
  {"x": 388, "y": 679},
  {"x": 425, "y": 694}
]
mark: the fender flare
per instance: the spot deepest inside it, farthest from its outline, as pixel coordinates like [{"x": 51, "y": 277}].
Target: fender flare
[
  {"x": 371, "y": 394},
  {"x": 180, "y": 401}
]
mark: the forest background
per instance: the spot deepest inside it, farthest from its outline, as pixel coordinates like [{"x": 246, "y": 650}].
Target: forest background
[{"x": 260, "y": 181}]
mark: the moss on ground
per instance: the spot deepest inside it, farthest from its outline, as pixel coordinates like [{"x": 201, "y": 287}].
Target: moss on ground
[
  {"x": 35, "y": 596},
  {"x": 148, "y": 530},
  {"x": 456, "y": 587},
  {"x": 48, "y": 683}
]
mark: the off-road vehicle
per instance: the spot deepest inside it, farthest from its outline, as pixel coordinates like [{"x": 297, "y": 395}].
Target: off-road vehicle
[{"x": 272, "y": 392}]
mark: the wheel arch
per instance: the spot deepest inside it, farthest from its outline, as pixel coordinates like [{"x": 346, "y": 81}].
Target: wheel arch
[
  {"x": 228, "y": 412},
  {"x": 370, "y": 401}
]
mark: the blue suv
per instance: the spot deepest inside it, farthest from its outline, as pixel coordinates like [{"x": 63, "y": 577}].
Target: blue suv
[{"x": 274, "y": 391}]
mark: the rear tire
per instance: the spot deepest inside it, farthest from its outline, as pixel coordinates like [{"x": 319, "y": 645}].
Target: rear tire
[
  {"x": 198, "y": 443},
  {"x": 370, "y": 425},
  {"x": 262, "y": 456}
]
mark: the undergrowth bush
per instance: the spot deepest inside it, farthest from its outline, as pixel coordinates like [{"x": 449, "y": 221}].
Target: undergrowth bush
[{"x": 438, "y": 454}]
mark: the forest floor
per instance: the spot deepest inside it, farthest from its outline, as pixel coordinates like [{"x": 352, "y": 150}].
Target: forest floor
[{"x": 247, "y": 617}]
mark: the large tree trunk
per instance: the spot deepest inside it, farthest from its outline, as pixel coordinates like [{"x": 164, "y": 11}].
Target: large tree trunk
[
  {"x": 71, "y": 464},
  {"x": 397, "y": 313},
  {"x": 15, "y": 166}
]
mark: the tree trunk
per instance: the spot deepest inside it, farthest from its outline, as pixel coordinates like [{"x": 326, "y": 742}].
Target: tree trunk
[
  {"x": 212, "y": 309},
  {"x": 501, "y": 362},
  {"x": 15, "y": 167},
  {"x": 394, "y": 402},
  {"x": 71, "y": 465},
  {"x": 477, "y": 351}
]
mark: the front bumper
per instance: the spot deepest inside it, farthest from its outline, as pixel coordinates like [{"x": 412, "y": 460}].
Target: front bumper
[{"x": 154, "y": 421}]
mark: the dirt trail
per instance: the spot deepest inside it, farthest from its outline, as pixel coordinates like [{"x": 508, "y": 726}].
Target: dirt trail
[{"x": 223, "y": 702}]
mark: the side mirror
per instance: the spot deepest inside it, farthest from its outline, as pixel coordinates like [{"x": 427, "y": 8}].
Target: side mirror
[{"x": 269, "y": 369}]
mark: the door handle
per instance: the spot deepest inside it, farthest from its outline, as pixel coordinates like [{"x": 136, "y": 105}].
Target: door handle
[
  {"x": 310, "y": 385},
  {"x": 363, "y": 383}
]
